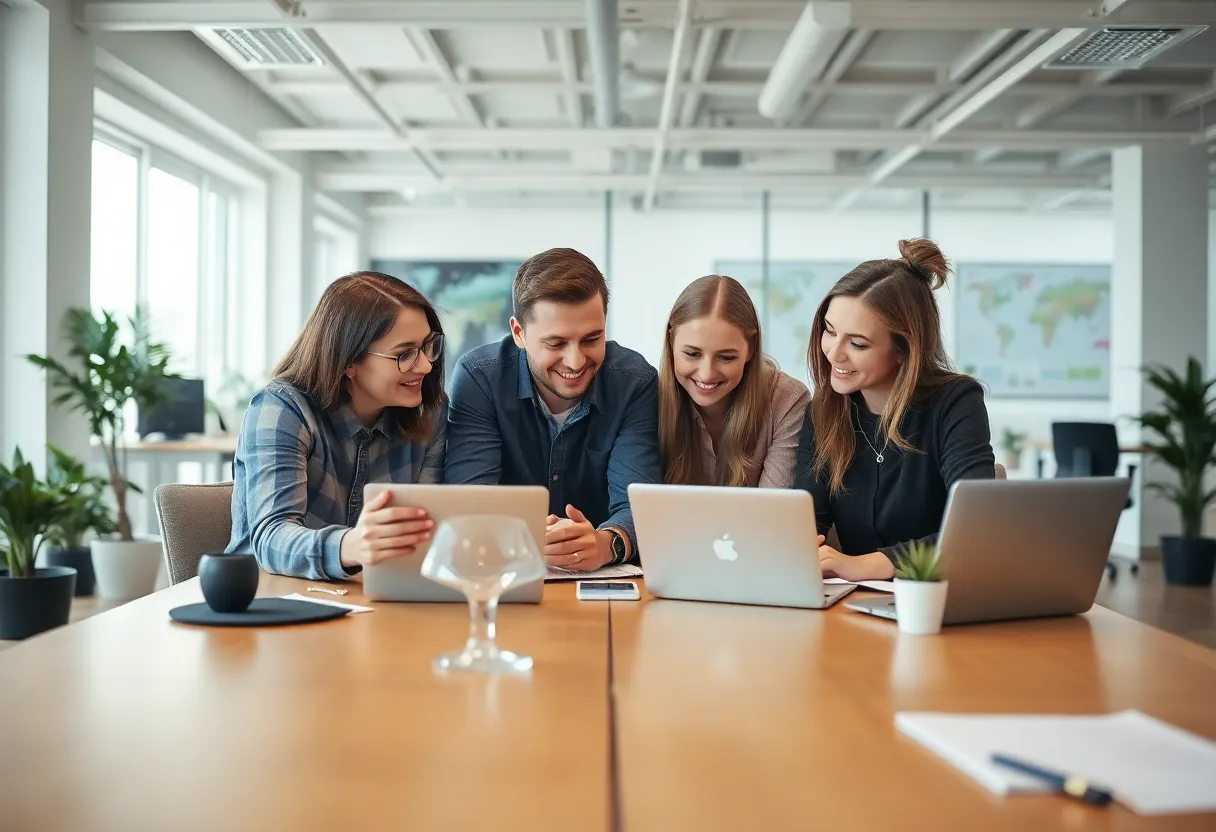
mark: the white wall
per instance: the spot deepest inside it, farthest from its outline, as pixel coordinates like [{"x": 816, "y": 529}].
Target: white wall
[{"x": 656, "y": 255}]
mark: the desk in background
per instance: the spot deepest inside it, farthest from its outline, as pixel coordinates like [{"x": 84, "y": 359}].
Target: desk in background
[
  {"x": 160, "y": 460},
  {"x": 659, "y": 715},
  {"x": 1042, "y": 447}
]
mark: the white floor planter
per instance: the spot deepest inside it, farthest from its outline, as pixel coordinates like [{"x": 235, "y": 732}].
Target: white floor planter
[
  {"x": 919, "y": 606},
  {"x": 127, "y": 570}
]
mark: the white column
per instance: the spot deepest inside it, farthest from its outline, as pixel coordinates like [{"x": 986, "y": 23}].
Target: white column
[
  {"x": 292, "y": 210},
  {"x": 1159, "y": 301},
  {"x": 45, "y": 173}
]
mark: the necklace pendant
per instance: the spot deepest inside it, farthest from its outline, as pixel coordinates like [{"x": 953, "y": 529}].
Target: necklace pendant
[{"x": 879, "y": 458}]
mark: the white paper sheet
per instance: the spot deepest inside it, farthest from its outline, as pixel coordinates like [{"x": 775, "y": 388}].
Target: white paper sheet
[
  {"x": 1150, "y": 766},
  {"x": 354, "y": 608}
]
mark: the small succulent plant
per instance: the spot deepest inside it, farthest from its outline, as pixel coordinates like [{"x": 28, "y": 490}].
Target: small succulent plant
[{"x": 917, "y": 561}]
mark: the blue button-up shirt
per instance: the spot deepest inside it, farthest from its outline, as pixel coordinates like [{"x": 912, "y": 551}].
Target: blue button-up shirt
[
  {"x": 499, "y": 432},
  {"x": 299, "y": 474}
]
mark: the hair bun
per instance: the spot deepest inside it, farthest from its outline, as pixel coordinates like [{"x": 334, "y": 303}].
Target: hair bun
[{"x": 926, "y": 259}]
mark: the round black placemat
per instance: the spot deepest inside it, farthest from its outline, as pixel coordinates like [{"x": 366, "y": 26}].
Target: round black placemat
[{"x": 263, "y": 612}]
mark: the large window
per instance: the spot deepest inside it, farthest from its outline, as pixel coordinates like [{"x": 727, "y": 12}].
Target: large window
[
  {"x": 335, "y": 253},
  {"x": 164, "y": 239}
]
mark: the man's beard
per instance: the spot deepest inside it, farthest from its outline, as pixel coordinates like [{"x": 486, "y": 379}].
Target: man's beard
[{"x": 539, "y": 378}]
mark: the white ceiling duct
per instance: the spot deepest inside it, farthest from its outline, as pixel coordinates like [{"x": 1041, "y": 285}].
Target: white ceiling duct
[
  {"x": 603, "y": 46},
  {"x": 805, "y": 54}
]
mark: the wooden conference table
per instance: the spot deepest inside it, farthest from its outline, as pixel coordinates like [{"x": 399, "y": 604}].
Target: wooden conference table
[{"x": 662, "y": 715}]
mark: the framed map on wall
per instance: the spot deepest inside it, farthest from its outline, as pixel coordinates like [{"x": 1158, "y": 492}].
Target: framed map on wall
[
  {"x": 473, "y": 298},
  {"x": 787, "y": 308},
  {"x": 1035, "y": 330}
]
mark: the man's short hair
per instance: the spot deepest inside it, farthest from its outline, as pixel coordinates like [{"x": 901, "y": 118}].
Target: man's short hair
[{"x": 559, "y": 275}]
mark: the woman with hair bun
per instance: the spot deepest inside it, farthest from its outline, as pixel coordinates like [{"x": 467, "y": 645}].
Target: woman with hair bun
[{"x": 891, "y": 427}]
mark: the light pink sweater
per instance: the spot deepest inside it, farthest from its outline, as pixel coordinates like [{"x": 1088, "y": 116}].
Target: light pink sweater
[{"x": 777, "y": 446}]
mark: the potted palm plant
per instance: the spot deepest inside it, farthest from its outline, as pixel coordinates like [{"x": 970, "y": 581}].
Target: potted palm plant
[
  {"x": 103, "y": 375},
  {"x": 920, "y": 591},
  {"x": 31, "y": 599},
  {"x": 1185, "y": 426},
  {"x": 85, "y": 511},
  {"x": 1012, "y": 442}
]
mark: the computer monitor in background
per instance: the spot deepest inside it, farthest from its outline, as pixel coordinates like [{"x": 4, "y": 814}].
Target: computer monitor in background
[{"x": 183, "y": 411}]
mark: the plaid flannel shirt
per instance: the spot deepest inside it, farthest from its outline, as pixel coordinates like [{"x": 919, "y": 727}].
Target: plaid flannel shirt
[{"x": 299, "y": 474}]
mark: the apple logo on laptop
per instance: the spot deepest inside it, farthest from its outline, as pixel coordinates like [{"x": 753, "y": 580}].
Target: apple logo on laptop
[{"x": 724, "y": 548}]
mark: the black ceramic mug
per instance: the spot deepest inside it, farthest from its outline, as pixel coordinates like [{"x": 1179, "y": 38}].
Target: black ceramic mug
[{"x": 229, "y": 581}]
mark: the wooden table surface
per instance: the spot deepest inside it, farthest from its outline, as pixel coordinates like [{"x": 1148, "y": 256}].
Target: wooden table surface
[
  {"x": 721, "y": 717},
  {"x": 735, "y": 717},
  {"x": 131, "y": 722}
]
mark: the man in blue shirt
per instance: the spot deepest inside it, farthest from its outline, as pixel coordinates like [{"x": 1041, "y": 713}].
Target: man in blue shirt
[{"x": 555, "y": 404}]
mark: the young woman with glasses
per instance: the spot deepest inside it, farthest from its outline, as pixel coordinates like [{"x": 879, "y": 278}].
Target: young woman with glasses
[{"x": 358, "y": 398}]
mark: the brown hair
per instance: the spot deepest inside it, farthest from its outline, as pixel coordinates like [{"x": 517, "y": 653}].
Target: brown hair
[
  {"x": 560, "y": 275},
  {"x": 353, "y": 312},
  {"x": 679, "y": 437},
  {"x": 900, "y": 293}
]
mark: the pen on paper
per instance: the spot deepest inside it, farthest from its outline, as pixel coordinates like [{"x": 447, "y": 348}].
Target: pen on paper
[
  {"x": 1071, "y": 785},
  {"x": 329, "y": 591}
]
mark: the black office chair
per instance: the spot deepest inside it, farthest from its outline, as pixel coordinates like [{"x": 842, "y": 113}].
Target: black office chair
[{"x": 1090, "y": 449}]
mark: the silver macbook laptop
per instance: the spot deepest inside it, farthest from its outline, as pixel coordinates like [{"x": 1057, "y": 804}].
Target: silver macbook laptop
[
  {"x": 401, "y": 579},
  {"x": 739, "y": 545},
  {"x": 1022, "y": 548}
]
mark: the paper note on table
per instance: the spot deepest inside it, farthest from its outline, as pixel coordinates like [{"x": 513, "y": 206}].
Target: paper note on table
[
  {"x": 354, "y": 608},
  {"x": 1150, "y": 766},
  {"x": 881, "y": 586},
  {"x": 624, "y": 570}
]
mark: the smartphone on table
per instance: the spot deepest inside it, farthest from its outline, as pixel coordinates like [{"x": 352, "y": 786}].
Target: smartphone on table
[{"x": 607, "y": 591}]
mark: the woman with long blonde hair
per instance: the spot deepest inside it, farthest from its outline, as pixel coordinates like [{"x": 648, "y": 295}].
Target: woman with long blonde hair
[
  {"x": 891, "y": 425},
  {"x": 727, "y": 414}
]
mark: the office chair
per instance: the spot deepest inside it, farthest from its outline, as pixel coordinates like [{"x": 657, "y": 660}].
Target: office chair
[
  {"x": 195, "y": 520},
  {"x": 1090, "y": 449}
]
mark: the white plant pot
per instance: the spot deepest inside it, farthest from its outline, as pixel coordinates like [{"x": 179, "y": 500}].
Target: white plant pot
[
  {"x": 127, "y": 569},
  {"x": 919, "y": 606}
]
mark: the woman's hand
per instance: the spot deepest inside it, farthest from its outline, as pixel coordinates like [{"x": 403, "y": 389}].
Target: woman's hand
[
  {"x": 385, "y": 532},
  {"x": 872, "y": 567}
]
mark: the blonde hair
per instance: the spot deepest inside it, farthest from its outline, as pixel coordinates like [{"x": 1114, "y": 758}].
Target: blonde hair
[{"x": 679, "y": 437}]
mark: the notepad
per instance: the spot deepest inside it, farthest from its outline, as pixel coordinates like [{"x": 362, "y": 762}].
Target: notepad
[
  {"x": 1150, "y": 766},
  {"x": 881, "y": 586},
  {"x": 622, "y": 570}
]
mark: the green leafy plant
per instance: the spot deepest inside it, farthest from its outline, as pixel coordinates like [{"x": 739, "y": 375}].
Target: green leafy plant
[
  {"x": 29, "y": 507},
  {"x": 1012, "y": 441},
  {"x": 85, "y": 506},
  {"x": 1186, "y": 427},
  {"x": 102, "y": 376},
  {"x": 917, "y": 561}
]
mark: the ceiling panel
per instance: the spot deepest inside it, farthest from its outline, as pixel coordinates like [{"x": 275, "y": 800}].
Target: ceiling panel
[
  {"x": 372, "y": 47},
  {"x": 509, "y": 49}
]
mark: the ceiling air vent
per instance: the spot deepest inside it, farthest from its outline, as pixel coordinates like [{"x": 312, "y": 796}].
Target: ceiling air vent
[
  {"x": 1122, "y": 47},
  {"x": 269, "y": 48}
]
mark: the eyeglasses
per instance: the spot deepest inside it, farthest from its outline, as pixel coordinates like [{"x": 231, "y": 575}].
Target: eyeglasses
[{"x": 432, "y": 348}]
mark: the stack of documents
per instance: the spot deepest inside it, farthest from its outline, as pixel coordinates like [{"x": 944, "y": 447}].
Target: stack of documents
[
  {"x": 624, "y": 570},
  {"x": 1150, "y": 766}
]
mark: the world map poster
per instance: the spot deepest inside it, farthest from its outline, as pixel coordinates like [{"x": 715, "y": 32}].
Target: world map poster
[{"x": 1035, "y": 330}]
